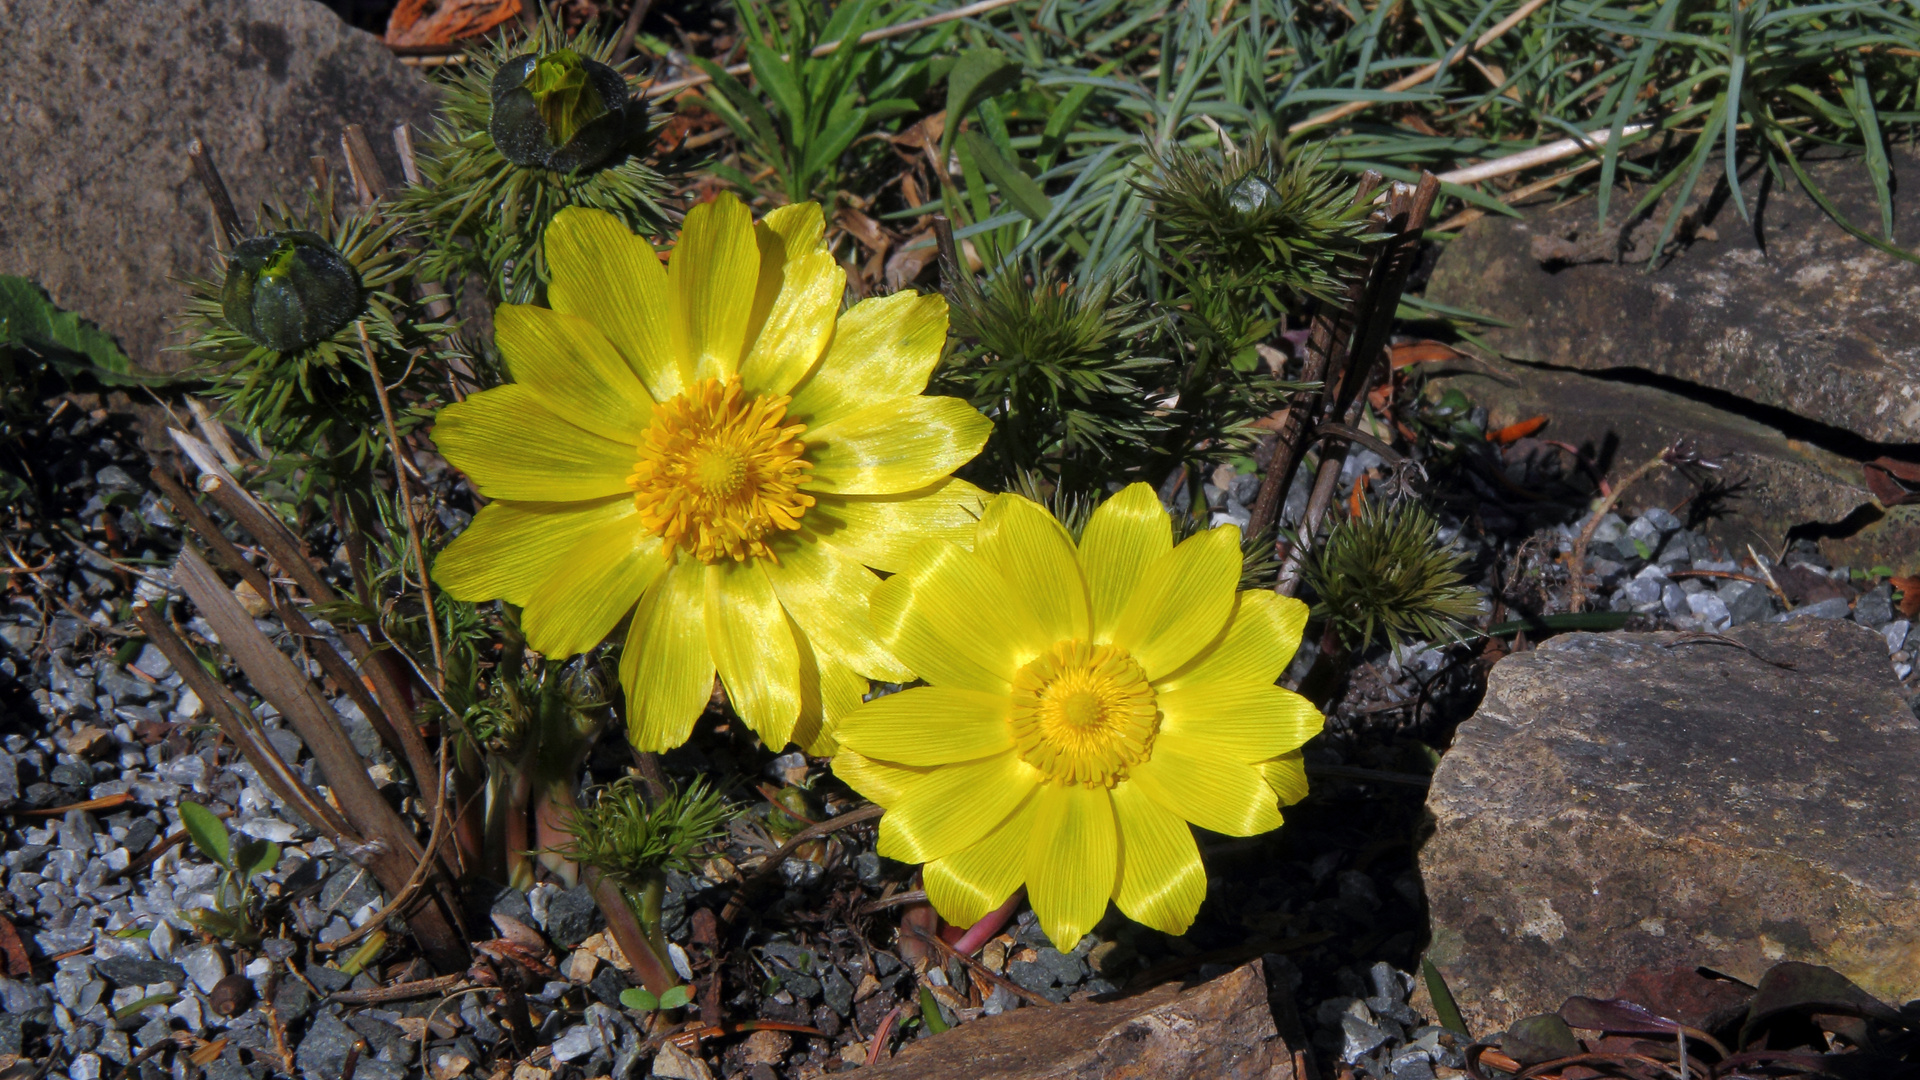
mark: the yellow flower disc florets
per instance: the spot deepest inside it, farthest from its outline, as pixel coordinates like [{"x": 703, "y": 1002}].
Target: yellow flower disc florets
[
  {"x": 1083, "y": 713},
  {"x": 718, "y": 472}
]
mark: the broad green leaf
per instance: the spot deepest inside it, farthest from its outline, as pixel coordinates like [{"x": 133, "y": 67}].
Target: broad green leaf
[
  {"x": 639, "y": 1000},
  {"x": 256, "y": 857},
  {"x": 675, "y": 997},
  {"x": 208, "y": 833},
  {"x": 980, "y": 74},
  {"x": 30, "y": 319},
  {"x": 1016, "y": 187}
]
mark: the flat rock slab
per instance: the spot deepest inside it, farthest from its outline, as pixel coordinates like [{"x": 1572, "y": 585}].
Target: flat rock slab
[
  {"x": 1218, "y": 1030},
  {"x": 1656, "y": 800},
  {"x": 99, "y": 102},
  {"x": 1772, "y": 485},
  {"x": 1794, "y": 314}
]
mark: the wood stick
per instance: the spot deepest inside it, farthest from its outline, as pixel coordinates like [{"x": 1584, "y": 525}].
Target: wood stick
[
  {"x": 369, "y": 180},
  {"x": 216, "y": 189},
  {"x": 401, "y": 487}
]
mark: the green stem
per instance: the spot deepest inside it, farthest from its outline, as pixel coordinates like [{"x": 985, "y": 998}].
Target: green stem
[
  {"x": 649, "y": 964},
  {"x": 652, "y": 894}
]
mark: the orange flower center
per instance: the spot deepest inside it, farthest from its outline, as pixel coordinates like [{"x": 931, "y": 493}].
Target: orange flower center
[
  {"x": 1083, "y": 713},
  {"x": 719, "y": 473}
]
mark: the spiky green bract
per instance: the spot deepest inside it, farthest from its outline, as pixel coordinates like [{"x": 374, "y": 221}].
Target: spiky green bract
[
  {"x": 316, "y": 408},
  {"x": 482, "y": 213},
  {"x": 1387, "y": 571},
  {"x": 1257, "y": 218},
  {"x": 1058, "y": 367},
  {"x": 631, "y": 838}
]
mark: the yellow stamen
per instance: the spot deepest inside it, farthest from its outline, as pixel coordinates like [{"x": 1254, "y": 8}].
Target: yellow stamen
[
  {"x": 718, "y": 473},
  {"x": 1083, "y": 713}
]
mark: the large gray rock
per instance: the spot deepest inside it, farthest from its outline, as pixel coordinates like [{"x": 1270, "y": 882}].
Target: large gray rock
[
  {"x": 1770, "y": 483},
  {"x": 99, "y": 101},
  {"x": 1657, "y": 800},
  {"x": 1219, "y": 1030},
  {"x": 1795, "y": 314}
]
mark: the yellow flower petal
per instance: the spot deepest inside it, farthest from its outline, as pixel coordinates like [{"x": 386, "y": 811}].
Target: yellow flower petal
[
  {"x": 785, "y": 234},
  {"x": 797, "y": 325},
  {"x": 1245, "y": 721},
  {"x": 1287, "y": 776},
  {"x": 666, "y": 667},
  {"x": 971, "y": 883},
  {"x": 513, "y": 447},
  {"x": 1207, "y": 789},
  {"x": 1182, "y": 602},
  {"x": 510, "y": 548},
  {"x": 1161, "y": 879},
  {"x": 1072, "y": 857},
  {"x": 880, "y": 782},
  {"x": 1034, "y": 553},
  {"x": 880, "y": 530},
  {"x": 884, "y": 347},
  {"x": 592, "y": 585},
  {"x": 575, "y": 371},
  {"x": 606, "y": 275},
  {"x": 930, "y": 725},
  {"x": 711, "y": 279},
  {"x": 953, "y": 806},
  {"x": 829, "y": 692},
  {"x": 950, "y": 619},
  {"x": 826, "y": 592},
  {"x": 753, "y": 649},
  {"x": 1261, "y": 639},
  {"x": 1126, "y": 534},
  {"x": 894, "y": 446}
]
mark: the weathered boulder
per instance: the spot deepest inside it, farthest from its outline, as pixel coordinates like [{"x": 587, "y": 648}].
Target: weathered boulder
[
  {"x": 100, "y": 103},
  {"x": 1219, "y": 1030},
  {"x": 1769, "y": 485},
  {"x": 1793, "y": 313},
  {"x": 1655, "y": 800}
]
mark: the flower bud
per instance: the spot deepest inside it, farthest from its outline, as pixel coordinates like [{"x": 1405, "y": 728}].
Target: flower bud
[
  {"x": 564, "y": 112},
  {"x": 289, "y": 290},
  {"x": 1252, "y": 194}
]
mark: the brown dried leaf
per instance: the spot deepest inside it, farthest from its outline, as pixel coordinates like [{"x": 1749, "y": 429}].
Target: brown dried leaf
[
  {"x": 208, "y": 1053},
  {"x": 512, "y": 929},
  {"x": 512, "y": 952},
  {"x": 18, "y": 965},
  {"x": 443, "y": 22}
]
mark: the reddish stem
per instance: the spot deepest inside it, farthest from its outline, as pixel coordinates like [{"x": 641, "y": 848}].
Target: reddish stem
[
  {"x": 983, "y": 931},
  {"x": 650, "y": 966}
]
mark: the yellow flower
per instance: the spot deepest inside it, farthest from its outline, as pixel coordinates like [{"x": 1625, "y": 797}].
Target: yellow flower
[
  {"x": 1085, "y": 704},
  {"x": 715, "y": 441}
]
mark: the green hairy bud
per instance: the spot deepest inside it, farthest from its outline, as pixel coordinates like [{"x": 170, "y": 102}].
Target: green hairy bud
[
  {"x": 289, "y": 290},
  {"x": 562, "y": 111}
]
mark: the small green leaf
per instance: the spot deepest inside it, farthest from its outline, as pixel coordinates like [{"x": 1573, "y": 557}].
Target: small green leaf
[
  {"x": 1445, "y": 1009},
  {"x": 209, "y": 833},
  {"x": 930, "y": 1012},
  {"x": 29, "y": 318},
  {"x": 256, "y": 857},
  {"x": 1019, "y": 189},
  {"x": 639, "y": 1000},
  {"x": 675, "y": 997},
  {"x": 1536, "y": 1039},
  {"x": 137, "y": 1007},
  {"x": 980, "y": 74}
]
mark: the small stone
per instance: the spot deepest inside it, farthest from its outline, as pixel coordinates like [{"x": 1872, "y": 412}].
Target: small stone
[
  {"x": 767, "y": 1047},
  {"x": 1660, "y": 519},
  {"x": 577, "y": 1042},
  {"x": 1834, "y": 607},
  {"x": 1710, "y": 609},
  {"x": 572, "y": 916},
  {"x": 323, "y": 1052},
  {"x": 328, "y": 979},
  {"x": 125, "y": 689},
  {"x": 837, "y": 992},
  {"x": 673, "y": 1063},
  {"x": 1029, "y": 975},
  {"x": 1896, "y": 634},
  {"x": 87, "y": 1066},
  {"x": 1674, "y": 599},
  {"x": 1746, "y": 602},
  {"x": 1361, "y": 1038},
  {"x": 1875, "y": 606},
  {"x": 128, "y": 971},
  {"x": 205, "y": 966},
  {"x": 292, "y": 1001},
  {"x": 69, "y": 775},
  {"x": 1066, "y": 970},
  {"x": 1643, "y": 592},
  {"x": 90, "y": 743}
]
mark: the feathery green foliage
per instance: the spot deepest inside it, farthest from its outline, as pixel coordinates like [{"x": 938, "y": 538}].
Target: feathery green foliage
[
  {"x": 1058, "y": 367},
  {"x": 1386, "y": 572},
  {"x": 486, "y": 215},
  {"x": 630, "y": 838}
]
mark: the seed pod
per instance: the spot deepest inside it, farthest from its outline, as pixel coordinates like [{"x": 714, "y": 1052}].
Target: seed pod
[
  {"x": 564, "y": 112},
  {"x": 289, "y": 290}
]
